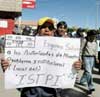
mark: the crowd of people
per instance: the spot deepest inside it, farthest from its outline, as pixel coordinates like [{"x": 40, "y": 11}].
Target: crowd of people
[{"x": 88, "y": 56}]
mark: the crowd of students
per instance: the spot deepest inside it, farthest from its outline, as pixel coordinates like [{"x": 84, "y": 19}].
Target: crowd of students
[{"x": 88, "y": 55}]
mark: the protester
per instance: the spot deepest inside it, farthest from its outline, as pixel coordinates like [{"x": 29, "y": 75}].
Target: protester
[
  {"x": 61, "y": 29},
  {"x": 80, "y": 33},
  {"x": 45, "y": 28},
  {"x": 1, "y": 45},
  {"x": 88, "y": 55},
  {"x": 26, "y": 30}
]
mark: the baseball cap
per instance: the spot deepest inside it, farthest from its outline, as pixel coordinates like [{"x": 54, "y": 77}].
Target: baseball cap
[{"x": 41, "y": 21}]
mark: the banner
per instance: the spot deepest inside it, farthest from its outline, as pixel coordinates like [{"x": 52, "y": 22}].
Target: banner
[
  {"x": 28, "y": 3},
  {"x": 41, "y": 61},
  {"x": 6, "y": 26}
]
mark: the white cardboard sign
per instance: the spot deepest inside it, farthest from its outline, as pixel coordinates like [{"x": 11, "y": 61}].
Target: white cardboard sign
[{"x": 41, "y": 61}]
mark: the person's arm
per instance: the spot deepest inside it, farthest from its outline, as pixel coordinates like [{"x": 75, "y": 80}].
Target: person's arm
[
  {"x": 82, "y": 47},
  {"x": 96, "y": 54}
]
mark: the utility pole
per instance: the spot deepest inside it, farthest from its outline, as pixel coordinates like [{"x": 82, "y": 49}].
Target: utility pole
[{"x": 97, "y": 12}]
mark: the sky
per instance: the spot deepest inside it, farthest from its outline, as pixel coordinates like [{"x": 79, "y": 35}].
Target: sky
[{"x": 78, "y": 13}]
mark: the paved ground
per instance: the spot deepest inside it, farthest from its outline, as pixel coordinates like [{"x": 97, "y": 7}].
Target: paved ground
[
  {"x": 96, "y": 79},
  {"x": 15, "y": 93}
]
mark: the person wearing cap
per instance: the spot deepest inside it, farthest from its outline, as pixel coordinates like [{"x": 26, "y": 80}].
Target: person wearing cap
[
  {"x": 45, "y": 28},
  {"x": 88, "y": 54}
]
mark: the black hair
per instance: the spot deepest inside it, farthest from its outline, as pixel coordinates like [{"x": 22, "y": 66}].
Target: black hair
[
  {"x": 80, "y": 31},
  {"x": 91, "y": 32},
  {"x": 62, "y": 23}
]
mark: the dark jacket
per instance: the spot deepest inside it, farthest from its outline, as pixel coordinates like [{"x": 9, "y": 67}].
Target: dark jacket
[{"x": 38, "y": 92}]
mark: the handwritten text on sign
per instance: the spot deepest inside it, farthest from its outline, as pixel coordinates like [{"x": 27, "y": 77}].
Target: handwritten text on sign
[{"x": 40, "y": 61}]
